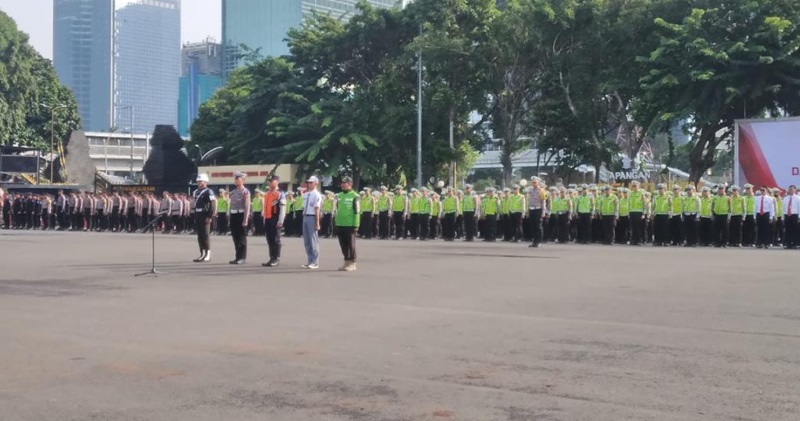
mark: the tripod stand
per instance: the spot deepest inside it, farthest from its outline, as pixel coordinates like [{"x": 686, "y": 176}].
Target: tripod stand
[{"x": 151, "y": 226}]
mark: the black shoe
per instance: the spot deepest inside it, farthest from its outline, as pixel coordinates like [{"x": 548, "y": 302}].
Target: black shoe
[
  {"x": 237, "y": 262},
  {"x": 534, "y": 246},
  {"x": 271, "y": 263}
]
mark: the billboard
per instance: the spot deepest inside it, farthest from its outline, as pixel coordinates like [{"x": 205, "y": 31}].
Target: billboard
[
  {"x": 19, "y": 164},
  {"x": 767, "y": 152}
]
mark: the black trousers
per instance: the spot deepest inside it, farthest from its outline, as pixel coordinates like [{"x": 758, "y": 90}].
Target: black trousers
[
  {"x": 383, "y": 220},
  {"x": 690, "y": 229},
  {"x": 399, "y": 225},
  {"x": 413, "y": 225},
  {"x": 551, "y": 230},
  {"x": 584, "y": 228},
  {"x": 764, "y": 229},
  {"x": 563, "y": 227},
  {"x": 597, "y": 229},
  {"x": 460, "y": 226},
  {"x": 239, "y": 235},
  {"x": 609, "y": 223},
  {"x": 749, "y": 230},
  {"x": 366, "y": 225},
  {"x": 623, "y": 229},
  {"x": 777, "y": 233},
  {"x": 115, "y": 218},
  {"x": 87, "y": 219},
  {"x": 273, "y": 237},
  {"x": 676, "y": 230},
  {"x": 536, "y": 226},
  {"x": 434, "y": 223},
  {"x": 706, "y": 231},
  {"x": 424, "y": 226},
  {"x": 720, "y": 233},
  {"x": 791, "y": 238},
  {"x": 202, "y": 226},
  {"x": 469, "y": 226},
  {"x": 661, "y": 229},
  {"x": 132, "y": 225},
  {"x": 449, "y": 226},
  {"x": 516, "y": 225},
  {"x": 637, "y": 228},
  {"x": 490, "y": 233},
  {"x": 222, "y": 223},
  {"x": 326, "y": 225},
  {"x": 347, "y": 242},
  {"x": 298, "y": 223},
  {"x": 735, "y": 236}
]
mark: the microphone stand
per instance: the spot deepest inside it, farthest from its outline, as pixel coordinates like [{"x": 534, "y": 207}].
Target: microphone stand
[{"x": 151, "y": 226}]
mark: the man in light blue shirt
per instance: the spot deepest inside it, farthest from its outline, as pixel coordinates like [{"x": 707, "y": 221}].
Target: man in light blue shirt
[{"x": 312, "y": 204}]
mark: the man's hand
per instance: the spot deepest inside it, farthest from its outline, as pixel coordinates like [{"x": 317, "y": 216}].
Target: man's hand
[
  {"x": 318, "y": 227},
  {"x": 279, "y": 226},
  {"x": 208, "y": 219}
]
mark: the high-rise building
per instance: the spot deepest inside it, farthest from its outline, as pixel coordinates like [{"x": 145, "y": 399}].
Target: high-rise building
[
  {"x": 83, "y": 33},
  {"x": 148, "y": 64},
  {"x": 261, "y": 25},
  {"x": 200, "y": 78}
]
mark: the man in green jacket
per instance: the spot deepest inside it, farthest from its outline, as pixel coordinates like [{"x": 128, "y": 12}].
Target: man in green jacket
[{"x": 347, "y": 220}]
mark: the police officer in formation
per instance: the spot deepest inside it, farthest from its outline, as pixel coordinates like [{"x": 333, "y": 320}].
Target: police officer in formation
[{"x": 239, "y": 202}]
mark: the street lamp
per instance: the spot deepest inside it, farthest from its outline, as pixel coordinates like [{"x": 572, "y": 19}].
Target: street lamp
[
  {"x": 53, "y": 109},
  {"x": 130, "y": 107}
]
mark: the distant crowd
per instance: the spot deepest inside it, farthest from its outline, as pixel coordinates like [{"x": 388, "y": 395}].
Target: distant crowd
[{"x": 721, "y": 216}]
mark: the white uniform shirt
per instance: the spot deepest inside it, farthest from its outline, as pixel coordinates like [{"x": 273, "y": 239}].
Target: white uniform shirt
[
  {"x": 791, "y": 205},
  {"x": 311, "y": 201},
  {"x": 765, "y": 205}
]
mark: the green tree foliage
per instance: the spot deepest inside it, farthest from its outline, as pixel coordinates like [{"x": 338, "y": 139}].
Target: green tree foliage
[
  {"x": 571, "y": 76},
  {"x": 726, "y": 59},
  {"x": 29, "y": 88}
]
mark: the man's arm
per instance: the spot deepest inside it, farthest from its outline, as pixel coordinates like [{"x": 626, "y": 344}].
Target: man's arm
[{"x": 317, "y": 212}]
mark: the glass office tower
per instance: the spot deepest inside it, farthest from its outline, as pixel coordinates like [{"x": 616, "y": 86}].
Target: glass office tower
[
  {"x": 83, "y": 33},
  {"x": 262, "y": 24},
  {"x": 148, "y": 64}
]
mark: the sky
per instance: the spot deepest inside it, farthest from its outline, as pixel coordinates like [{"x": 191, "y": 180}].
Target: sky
[{"x": 199, "y": 19}]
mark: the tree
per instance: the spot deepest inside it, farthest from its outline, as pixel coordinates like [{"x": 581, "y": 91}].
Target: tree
[
  {"x": 29, "y": 89},
  {"x": 725, "y": 59}
]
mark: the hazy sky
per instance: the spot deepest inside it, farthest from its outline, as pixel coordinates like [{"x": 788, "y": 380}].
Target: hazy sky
[{"x": 199, "y": 19}]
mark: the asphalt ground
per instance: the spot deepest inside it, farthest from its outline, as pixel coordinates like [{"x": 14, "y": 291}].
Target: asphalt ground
[{"x": 423, "y": 331}]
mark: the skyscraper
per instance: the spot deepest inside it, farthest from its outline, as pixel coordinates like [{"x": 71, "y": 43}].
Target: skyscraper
[
  {"x": 83, "y": 33},
  {"x": 201, "y": 76},
  {"x": 148, "y": 64},
  {"x": 262, "y": 24}
]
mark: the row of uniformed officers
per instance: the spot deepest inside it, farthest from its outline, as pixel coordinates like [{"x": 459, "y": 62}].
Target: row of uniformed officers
[{"x": 720, "y": 216}]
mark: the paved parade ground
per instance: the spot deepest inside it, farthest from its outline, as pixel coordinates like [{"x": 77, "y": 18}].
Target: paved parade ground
[{"x": 423, "y": 331}]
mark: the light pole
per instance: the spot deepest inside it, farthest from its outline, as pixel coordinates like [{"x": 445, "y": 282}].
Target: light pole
[
  {"x": 419, "y": 114},
  {"x": 53, "y": 109},
  {"x": 130, "y": 107}
]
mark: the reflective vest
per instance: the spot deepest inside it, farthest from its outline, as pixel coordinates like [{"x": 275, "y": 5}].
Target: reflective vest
[
  {"x": 413, "y": 205},
  {"x": 346, "y": 215},
  {"x": 489, "y": 206},
  {"x": 737, "y": 206},
  {"x": 562, "y": 204},
  {"x": 609, "y": 206},
  {"x": 750, "y": 201},
  {"x": 383, "y": 204},
  {"x": 504, "y": 205},
  {"x": 661, "y": 205},
  {"x": 585, "y": 204},
  {"x": 691, "y": 204},
  {"x": 435, "y": 204},
  {"x": 469, "y": 203},
  {"x": 367, "y": 204},
  {"x": 327, "y": 205},
  {"x": 721, "y": 205},
  {"x": 778, "y": 207},
  {"x": 399, "y": 203},
  {"x": 637, "y": 201},
  {"x": 449, "y": 204},
  {"x": 424, "y": 204},
  {"x": 677, "y": 205},
  {"x": 706, "y": 204},
  {"x": 624, "y": 206},
  {"x": 257, "y": 204},
  {"x": 298, "y": 204},
  {"x": 222, "y": 205},
  {"x": 515, "y": 203}
]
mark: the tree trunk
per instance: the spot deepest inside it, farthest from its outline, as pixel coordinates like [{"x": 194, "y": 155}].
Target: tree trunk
[
  {"x": 505, "y": 159},
  {"x": 701, "y": 158}
]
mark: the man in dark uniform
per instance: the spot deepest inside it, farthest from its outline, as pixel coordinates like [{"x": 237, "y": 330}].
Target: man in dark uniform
[
  {"x": 205, "y": 206},
  {"x": 239, "y": 202},
  {"x": 274, "y": 215}
]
